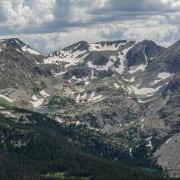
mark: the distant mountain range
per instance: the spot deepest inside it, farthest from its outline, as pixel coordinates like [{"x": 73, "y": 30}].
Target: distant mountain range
[{"x": 127, "y": 92}]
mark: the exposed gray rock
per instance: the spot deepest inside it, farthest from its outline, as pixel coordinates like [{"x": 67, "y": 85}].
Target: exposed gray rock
[
  {"x": 168, "y": 155},
  {"x": 128, "y": 90}
]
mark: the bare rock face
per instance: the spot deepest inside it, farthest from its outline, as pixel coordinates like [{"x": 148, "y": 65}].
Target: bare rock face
[
  {"x": 143, "y": 52},
  {"x": 168, "y": 155},
  {"x": 128, "y": 90}
]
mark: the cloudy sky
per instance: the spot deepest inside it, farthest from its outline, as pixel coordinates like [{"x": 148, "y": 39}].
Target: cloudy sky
[{"x": 52, "y": 24}]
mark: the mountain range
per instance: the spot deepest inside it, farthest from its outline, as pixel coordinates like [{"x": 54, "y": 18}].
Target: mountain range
[{"x": 114, "y": 104}]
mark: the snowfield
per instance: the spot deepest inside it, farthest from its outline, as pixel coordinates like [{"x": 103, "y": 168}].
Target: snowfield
[
  {"x": 143, "y": 91},
  {"x": 101, "y": 68},
  {"x": 105, "y": 47},
  {"x": 29, "y": 50},
  {"x": 135, "y": 69},
  {"x": 71, "y": 58},
  {"x": 6, "y": 98},
  {"x": 116, "y": 86},
  {"x": 36, "y": 102},
  {"x": 95, "y": 98},
  {"x": 161, "y": 77},
  {"x": 43, "y": 93}
]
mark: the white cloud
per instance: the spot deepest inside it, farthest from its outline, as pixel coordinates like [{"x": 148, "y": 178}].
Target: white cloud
[
  {"x": 19, "y": 14},
  {"x": 53, "y": 41},
  {"x": 51, "y": 24},
  {"x": 172, "y": 3}
]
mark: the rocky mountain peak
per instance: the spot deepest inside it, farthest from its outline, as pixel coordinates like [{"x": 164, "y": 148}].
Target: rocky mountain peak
[
  {"x": 143, "y": 52},
  {"x": 125, "y": 89},
  {"x": 18, "y": 45},
  {"x": 79, "y": 46},
  {"x": 175, "y": 45},
  {"x": 12, "y": 42},
  {"x": 168, "y": 60}
]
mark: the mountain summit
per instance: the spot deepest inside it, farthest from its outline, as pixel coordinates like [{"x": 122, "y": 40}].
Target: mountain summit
[
  {"x": 19, "y": 45},
  {"x": 125, "y": 90}
]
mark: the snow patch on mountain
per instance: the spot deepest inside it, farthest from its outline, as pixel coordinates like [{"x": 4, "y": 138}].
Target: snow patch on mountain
[
  {"x": 36, "y": 102},
  {"x": 141, "y": 67},
  {"x": 135, "y": 69},
  {"x": 105, "y": 46},
  {"x": 95, "y": 98},
  {"x": 6, "y": 98},
  {"x": 78, "y": 98},
  {"x": 74, "y": 55},
  {"x": 122, "y": 57},
  {"x": 101, "y": 68},
  {"x": 143, "y": 91},
  {"x": 168, "y": 140},
  {"x": 162, "y": 76},
  {"x": 131, "y": 80},
  {"x": 79, "y": 80},
  {"x": 59, "y": 74},
  {"x": 43, "y": 93},
  {"x": 8, "y": 113},
  {"x": 71, "y": 58},
  {"x": 85, "y": 97},
  {"x": 18, "y": 42},
  {"x": 141, "y": 101},
  {"x": 149, "y": 143},
  {"x": 116, "y": 86},
  {"x": 52, "y": 60},
  {"x": 92, "y": 75},
  {"x": 30, "y": 50}
]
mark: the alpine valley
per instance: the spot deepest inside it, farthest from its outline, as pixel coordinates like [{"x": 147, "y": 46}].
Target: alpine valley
[{"x": 104, "y": 110}]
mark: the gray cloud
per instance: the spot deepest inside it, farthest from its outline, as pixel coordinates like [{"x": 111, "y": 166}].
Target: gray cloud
[
  {"x": 2, "y": 15},
  {"x": 138, "y": 6}
]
